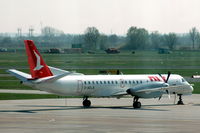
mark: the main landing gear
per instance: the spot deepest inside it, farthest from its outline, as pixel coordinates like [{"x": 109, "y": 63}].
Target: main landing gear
[
  {"x": 136, "y": 103},
  {"x": 86, "y": 102},
  {"x": 180, "y": 102}
]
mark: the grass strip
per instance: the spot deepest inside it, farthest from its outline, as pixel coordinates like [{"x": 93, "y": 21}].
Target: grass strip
[{"x": 16, "y": 96}]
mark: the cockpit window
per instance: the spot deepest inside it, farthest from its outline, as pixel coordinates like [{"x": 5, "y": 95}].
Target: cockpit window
[{"x": 183, "y": 80}]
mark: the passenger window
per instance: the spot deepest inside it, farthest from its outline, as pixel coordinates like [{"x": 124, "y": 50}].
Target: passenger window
[
  {"x": 116, "y": 82},
  {"x": 104, "y": 82},
  {"x": 101, "y": 82},
  {"x": 93, "y": 82},
  {"x": 108, "y": 82},
  {"x": 88, "y": 82},
  {"x": 97, "y": 82},
  {"x": 129, "y": 82},
  {"x": 85, "y": 82}
]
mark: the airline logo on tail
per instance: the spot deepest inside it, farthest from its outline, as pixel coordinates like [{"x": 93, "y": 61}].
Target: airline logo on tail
[{"x": 38, "y": 65}]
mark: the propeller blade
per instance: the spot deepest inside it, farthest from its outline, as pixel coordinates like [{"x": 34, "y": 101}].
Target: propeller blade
[
  {"x": 168, "y": 94},
  {"x": 159, "y": 74},
  {"x": 169, "y": 73},
  {"x": 174, "y": 98},
  {"x": 159, "y": 98},
  {"x": 162, "y": 77}
]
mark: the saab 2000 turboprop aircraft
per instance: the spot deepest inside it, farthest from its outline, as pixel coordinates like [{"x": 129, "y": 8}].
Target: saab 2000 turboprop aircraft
[{"x": 67, "y": 83}]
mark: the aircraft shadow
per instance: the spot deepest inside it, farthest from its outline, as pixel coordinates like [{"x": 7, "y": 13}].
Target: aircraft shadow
[
  {"x": 39, "y": 110},
  {"x": 57, "y": 108},
  {"x": 130, "y": 108},
  {"x": 196, "y": 104},
  {"x": 160, "y": 105}
]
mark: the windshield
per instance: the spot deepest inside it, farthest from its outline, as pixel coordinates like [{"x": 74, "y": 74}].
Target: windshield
[{"x": 183, "y": 80}]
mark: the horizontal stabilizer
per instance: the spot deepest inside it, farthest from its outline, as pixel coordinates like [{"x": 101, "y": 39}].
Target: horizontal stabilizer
[
  {"x": 20, "y": 75},
  {"x": 50, "y": 79},
  {"x": 57, "y": 71}
]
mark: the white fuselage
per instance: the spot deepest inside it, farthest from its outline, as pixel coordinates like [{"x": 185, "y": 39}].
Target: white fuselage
[{"x": 107, "y": 85}]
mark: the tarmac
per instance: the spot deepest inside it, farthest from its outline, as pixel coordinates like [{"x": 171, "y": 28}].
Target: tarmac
[{"x": 108, "y": 115}]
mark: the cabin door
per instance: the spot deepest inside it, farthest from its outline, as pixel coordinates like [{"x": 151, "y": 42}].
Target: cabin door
[{"x": 79, "y": 86}]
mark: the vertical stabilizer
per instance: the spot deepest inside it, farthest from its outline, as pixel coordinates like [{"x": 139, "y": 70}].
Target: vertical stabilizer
[{"x": 38, "y": 67}]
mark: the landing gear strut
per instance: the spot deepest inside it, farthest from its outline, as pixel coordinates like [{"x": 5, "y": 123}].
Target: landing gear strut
[
  {"x": 86, "y": 102},
  {"x": 180, "y": 102},
  {"x": 136, "y": 103}
]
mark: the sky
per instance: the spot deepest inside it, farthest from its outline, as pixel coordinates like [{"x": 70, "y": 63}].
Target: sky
[{"x": 108, "y": 16}]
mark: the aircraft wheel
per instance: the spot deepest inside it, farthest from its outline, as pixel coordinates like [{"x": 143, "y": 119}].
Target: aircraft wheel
[
  {"x": 137, "y": 105},
  {"x": 86, "y": 103},
  {"x": 180, "y": 103}
]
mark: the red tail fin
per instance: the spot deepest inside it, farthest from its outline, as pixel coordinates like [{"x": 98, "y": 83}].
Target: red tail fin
[{"x": 38, "y": 67}]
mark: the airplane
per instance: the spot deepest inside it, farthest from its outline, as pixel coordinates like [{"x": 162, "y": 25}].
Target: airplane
[{"x": 66, "y": 83}]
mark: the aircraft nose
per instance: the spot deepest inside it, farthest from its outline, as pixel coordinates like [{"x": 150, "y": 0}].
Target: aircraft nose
[{"x": 191, "y": 88}]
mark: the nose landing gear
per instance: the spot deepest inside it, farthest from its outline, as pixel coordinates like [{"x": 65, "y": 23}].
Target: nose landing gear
[{"x": 180, "y": 102}]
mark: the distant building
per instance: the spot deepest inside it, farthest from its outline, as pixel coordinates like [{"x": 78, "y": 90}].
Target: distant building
[
  {"x": 54, "y": 51},
  {"x": 112, "y": 51},
  {"x": 3, "y": 49},
  {"x": 164, "y": 51},
  {"x": 73, "y": 51},
  {"x": 105, "y": 72}
]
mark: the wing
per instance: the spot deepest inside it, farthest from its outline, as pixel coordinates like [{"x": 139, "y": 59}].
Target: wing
[
  {"x": 119, "y": 94},
  {"x": 154, "y": 89},
  {"x": 161, "y": 89}
]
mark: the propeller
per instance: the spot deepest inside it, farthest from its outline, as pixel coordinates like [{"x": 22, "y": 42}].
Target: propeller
[
  {"x": 160, "y": 97},
  {"x": 166, "y": 81},
  {"x": 168, "y": 75}
]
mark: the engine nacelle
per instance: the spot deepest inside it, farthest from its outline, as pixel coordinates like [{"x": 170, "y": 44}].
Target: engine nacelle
[{"x": 145, "y": 90}]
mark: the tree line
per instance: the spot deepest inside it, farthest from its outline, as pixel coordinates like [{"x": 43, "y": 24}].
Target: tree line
[{"x": 135, "y": 39}]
